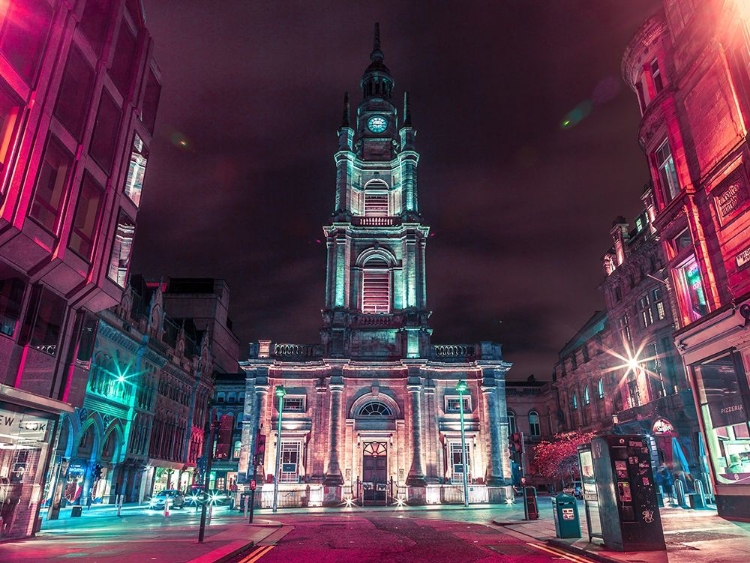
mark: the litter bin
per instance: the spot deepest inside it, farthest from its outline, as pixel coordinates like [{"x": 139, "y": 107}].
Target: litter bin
[
  {"x": 76, "y": 513},
  {"x": 567, "y": 523}
]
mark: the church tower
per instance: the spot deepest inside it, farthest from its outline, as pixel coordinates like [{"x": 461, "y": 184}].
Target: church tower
[{"x": 376, "y": 299}]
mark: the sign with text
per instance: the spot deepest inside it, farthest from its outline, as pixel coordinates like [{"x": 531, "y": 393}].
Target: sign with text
[{"x": 23, "y": 427}]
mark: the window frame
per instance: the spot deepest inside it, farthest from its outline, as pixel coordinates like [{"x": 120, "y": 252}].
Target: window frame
[{"x": 535, "y": 423}]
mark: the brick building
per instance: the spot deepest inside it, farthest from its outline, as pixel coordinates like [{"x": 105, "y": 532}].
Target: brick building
[
  {"x": 689, "y": 66},
  {"x": 79, "y": 91}
]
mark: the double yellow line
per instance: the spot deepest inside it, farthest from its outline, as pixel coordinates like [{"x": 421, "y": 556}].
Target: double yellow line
[
  {"x": 255, "y": 555},
  {"x": 559, "y": 553}
]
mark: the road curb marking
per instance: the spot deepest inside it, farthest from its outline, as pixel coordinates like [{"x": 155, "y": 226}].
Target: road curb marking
[
  {"x": 559, "y": 552},
  {"x": 253, "y": 557}
]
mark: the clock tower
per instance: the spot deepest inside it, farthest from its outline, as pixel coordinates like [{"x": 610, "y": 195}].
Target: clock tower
[{"x": 376, "y": 302}]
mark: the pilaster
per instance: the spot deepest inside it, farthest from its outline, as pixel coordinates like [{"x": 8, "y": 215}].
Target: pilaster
[
  {"x": 416, "y": 477},
  {"x": 333, "y": 474}
]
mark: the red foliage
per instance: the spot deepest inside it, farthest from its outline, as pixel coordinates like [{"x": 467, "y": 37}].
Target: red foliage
[{"x": 558, "y": 459}]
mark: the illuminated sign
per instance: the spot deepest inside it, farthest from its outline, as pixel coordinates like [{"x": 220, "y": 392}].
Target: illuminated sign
[
  {"x": 22, "y": 427},
  {"x": 743, "y": 258},
  {"x": 662, "y": 426}
]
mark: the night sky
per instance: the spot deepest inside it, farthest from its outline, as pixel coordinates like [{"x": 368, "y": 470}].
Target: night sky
[{"x": 520, "y": 205}]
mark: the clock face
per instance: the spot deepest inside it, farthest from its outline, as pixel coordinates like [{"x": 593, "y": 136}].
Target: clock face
[{"x": 377, "y": 124}]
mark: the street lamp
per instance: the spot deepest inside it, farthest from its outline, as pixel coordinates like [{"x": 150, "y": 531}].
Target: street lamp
[
  {"x": 461, "y": 388},
  {"x": 280, "y": 392}
]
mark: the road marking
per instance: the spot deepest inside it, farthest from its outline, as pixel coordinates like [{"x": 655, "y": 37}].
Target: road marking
[
  {"x": 253, "y": 557},
  {"x": 559, "y": 553}
]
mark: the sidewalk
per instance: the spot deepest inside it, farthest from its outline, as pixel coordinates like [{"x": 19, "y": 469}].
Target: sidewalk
[{"x": 692, "y": 536}]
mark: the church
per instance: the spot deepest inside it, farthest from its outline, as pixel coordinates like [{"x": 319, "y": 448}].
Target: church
[{"x": 372, "y": 414}]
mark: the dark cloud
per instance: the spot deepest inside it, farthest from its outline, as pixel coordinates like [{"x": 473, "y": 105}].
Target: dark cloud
[{"x": 519, "y": 204}]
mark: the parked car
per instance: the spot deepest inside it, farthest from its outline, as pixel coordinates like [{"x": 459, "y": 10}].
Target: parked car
[
  {"x": 217, "y": 498},
  {"x": 575, "y": 489},
  {"x": 176, "y": 500}
]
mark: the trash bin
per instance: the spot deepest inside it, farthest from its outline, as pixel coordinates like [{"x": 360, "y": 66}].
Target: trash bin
[
  {"x": 565, "y": 510},
  {"x": 76, "y": 513}
]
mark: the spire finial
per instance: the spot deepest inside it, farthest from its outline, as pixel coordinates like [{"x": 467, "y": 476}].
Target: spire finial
[
  {"x": 407, "y": 110},
  {"x": 346, "y": 118},
  {"x": 377, "y": 54}
]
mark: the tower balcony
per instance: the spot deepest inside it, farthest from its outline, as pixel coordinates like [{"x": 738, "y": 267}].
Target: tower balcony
[
  {"x": 455, "y": 352},
  {"x": 287, "y": 351},
  {"x": 380, "y": 221}
]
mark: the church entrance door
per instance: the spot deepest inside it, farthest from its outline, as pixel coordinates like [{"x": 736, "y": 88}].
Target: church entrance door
[{"x": 375, "y": 473}]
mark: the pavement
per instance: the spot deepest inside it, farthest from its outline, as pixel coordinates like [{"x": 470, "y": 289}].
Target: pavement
[{"x": 691, "y": 536}]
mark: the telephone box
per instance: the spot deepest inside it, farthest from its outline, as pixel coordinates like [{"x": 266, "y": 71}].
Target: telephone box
[{"x": 626, "y": 493}]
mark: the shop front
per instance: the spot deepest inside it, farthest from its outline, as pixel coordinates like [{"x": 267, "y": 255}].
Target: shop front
[{"x": 26, "y": 434}]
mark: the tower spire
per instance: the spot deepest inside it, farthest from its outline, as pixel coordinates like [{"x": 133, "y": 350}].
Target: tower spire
[
  {"x": 377, "y": 54},
  {"x": 346, "y": 118},
  {"x": 407, "y": 110}
]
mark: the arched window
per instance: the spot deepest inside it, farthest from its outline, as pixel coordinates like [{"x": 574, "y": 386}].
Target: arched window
[
  {"x": 376, "y": 286},
  {"x": 376, "y": 199},
  {"x": 575, "y": 401},
  {"x": 534, "y": 427},
  {"x": 236, "y": 450},
  {"x": 511, "y": 422},
  {"x": 375, "y": 408},
  {"x": 600, "y": 388},
  {"x": 586, "y": 396}
]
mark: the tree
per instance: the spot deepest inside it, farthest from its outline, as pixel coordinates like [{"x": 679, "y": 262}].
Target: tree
[{"x": 558, "y": 459}]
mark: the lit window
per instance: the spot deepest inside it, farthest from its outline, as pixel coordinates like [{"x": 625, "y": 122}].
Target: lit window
[
  {"x": 625, "y": 328},
  {"x": 656, "y": 76},
  {"x": 290, "y": 456},
  {"x": 575, "y": 401},
  {"x": 452, "y": 404},
  {"x": 44, "y": 320},
  {"x": 586, "y": 396},
  {"x": 458, "y": 462},
  {"x": 24, "y": 35},
  {"x": 658, "y": 304},
  {"x": 511, "y": 422},
  {"x": 644, "y": 310},
  {"x": 9, "y": 110},
  {"x": 667, "y": 172},
  {"x": 294, "y": 404},
  {"x": 86, "y": 218},
  {"x": 75, "y": 93},
  {"x": 104, "y": 138},
  {"x": 136, "y": 170},
  {"x": 50, "y": 186},
  {"x": 376, "y": 287},
  {"x": 375, "y": 408},
  {"x": 691, "y": 289},
  {"x": 119, "y": 261},
  {"x": 12, "y": 287},
  {"x": 237, "y": 449},
  {"x": 534, "y": 426},
  {"x": 634, "y": 394},
  {"x": 600, "y": 388}
]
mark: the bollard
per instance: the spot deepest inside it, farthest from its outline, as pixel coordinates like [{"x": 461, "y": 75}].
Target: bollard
[
  {"x": 210, "y": 510},
  {"x": 119, "y": 505},
  {"x": 699, "y": 499},
  {"x": 166, "y": 507},
  {"x": 680, "y": 493}
]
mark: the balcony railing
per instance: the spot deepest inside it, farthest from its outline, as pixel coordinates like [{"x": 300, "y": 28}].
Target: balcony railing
[
  {"x": 455, "y": 352},
  {"x": 297, "y": 350},
  {"x": 375, "y": 221}
]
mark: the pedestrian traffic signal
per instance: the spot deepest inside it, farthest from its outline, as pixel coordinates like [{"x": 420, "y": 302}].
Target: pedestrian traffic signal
[
  {"x": 516, "y": 442},
  {"x": 97, "y": 471}
]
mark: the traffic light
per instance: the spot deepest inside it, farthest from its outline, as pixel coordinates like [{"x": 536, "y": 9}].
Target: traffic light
[
  {"x": 516, "y": 442},
  {"x": 97, "y": 471}
]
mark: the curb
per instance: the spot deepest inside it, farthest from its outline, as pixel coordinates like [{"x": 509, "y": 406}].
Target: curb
[
  {"x": 582, "y": 552},
  {"x": 221, "y": 557}
]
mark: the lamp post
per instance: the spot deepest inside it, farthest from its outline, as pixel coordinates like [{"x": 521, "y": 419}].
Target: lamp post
[
  {"x": 461, "y": 387},
  {"x": 280, "y": 392},
  {"x": 212, "y": 425}
]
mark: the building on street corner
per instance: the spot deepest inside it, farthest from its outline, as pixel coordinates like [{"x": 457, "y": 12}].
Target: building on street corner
[
  {"x": 689, "y": 66},
  {"x": 79, "y": 90},
  {"x": 371, "y": 414}
]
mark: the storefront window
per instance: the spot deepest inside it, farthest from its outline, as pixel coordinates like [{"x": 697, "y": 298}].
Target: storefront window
[
  {"x": 24, "y": 447},
  {"x": 724, "y": 400}
]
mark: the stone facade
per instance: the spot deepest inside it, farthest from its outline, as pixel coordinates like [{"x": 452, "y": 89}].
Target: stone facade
[
  {"x": 371, "y": 414},
  {"x": 689, "y": 66}
]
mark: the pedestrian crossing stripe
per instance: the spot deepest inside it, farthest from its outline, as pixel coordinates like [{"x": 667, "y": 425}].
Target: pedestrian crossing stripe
[
  {"x": 255, "y": 555},
  {"x": 560, "y": 553}
]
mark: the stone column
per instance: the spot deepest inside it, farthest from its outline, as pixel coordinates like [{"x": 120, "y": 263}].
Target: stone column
[
  {"x": 495, "y": 458},
  {"x": 416, "y": 476},
  {"x": 333, "y": 475}
]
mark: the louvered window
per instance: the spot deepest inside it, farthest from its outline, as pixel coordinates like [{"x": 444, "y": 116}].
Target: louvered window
[
  {"x": 376, "y": 199},
  {"x": 376, "y": 288}
]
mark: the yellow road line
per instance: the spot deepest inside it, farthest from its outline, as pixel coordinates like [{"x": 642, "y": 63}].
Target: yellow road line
[
  {"x": 253, "y": 557},
  {"x": 560, "y": 553}
]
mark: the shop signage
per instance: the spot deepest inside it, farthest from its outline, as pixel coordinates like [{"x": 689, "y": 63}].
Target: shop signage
[
  {"x": 743, "y": 258},
  {"x": 22, "y": 427},
  {"x": 662, "y": 426},
  {"x": 730, "y": 198}
]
